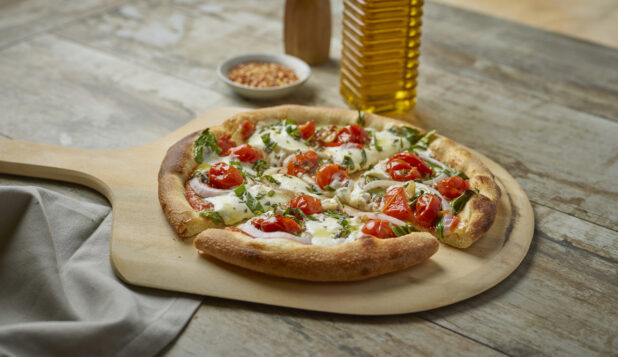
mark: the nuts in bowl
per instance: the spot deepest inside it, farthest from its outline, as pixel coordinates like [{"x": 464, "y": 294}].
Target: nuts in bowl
[{"x": 264, "y": 76}]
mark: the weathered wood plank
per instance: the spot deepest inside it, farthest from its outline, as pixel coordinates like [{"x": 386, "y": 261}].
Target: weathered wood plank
[
  {"x": 20, "y": 19},
  {"x": 553, "y": 68},
  {"x": 63, "y": 93},
  {"x": 561, "y": 301},
  {"x": 219, "y": 325}
]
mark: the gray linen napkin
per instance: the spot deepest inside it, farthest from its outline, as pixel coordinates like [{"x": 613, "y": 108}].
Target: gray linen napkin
[{"x": 58, "y": 294}]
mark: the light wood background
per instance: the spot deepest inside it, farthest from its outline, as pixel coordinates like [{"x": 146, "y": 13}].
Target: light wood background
[{"x": 108, "y": 74}]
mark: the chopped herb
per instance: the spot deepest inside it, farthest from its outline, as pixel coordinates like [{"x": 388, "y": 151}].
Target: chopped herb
[
  {"x": 402, "y": 230},
  {"x": 345, "y": 230},
  {"x": 205, "y": 143},
  {"x": 377, "y": 192},
  {"x": 440, "y": 228},
  {"x": 328, "y": 188},
  {"x": 361, "y": 118},
  {"x": 314, "y": 189},
  {"x": 213, "y": 216},
  {"x": 348, "y": 163},
  {"x": 412, "y": 135},
  {"x": 423, "y": 143},
  {"x": 298, "y": 212},
  {"x": 459, "y": 202},
  {"x": 412, "y": 201},
  {"x": 333, "y": 213},
  {"x": 292, "y": 128},
  {"x": 270, "y": 179},
  {"x": 363, "y": 158},
  {"x": 270, "y": 193},
  {"x": 375, "y": 141},
  {"x": 260, "y": 166},
  {"x": 270, "y": 145},
  {"x": 369, "y": 178},
  {"x": 254, "y": 205}
]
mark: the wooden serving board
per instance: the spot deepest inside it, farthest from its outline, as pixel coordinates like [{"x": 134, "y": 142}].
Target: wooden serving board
[{"x": 145, "y": 250}]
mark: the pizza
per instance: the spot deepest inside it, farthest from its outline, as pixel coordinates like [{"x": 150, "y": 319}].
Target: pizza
[{"x": 324, "y": 194}]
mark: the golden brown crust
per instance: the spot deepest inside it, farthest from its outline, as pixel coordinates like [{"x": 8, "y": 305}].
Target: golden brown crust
[
  {"x": 362, "y": 259},
  {"x": 478, "y": 215}
]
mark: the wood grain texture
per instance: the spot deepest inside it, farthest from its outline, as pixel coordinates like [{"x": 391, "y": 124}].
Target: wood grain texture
[{"x": 511, "y": 84}]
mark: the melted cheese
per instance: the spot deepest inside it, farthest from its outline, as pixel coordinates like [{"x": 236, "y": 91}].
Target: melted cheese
[
  {"x": 278, "y": 134},
  {"x": 233, "y": 209},
  {"x": 324, "y": 230}
]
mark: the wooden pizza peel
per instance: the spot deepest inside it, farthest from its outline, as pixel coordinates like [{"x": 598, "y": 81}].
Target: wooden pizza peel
[{"x": 145, "y": 250}]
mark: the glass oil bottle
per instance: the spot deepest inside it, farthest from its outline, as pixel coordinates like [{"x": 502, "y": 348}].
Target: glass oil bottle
[{"x": 379, "y": 60}]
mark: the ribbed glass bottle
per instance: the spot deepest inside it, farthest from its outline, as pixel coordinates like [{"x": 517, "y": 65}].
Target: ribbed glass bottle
[{"x": 379, "y": 60}]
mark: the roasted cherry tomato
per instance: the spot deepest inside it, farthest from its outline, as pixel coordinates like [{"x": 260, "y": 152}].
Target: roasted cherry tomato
[
  {"x": 224, "y": 176},
  {"x": 302, "y": 163},
  {"x": 277, "y": 224},
  {"x": 245, "y": 153},
  {"x": 395, "y": 204},
  {"x": 308, "y": 204},
  {"x": 379, "y": 228},
  {"x": 426, "y": 210},
  {"x": 247, "y": 128},
  {"x": 414, "y": 161},
  {"x": 401, "y": 170},
  {"x": 354, "y": 134},
  {"x": 225, "y": 142},
  {"x": 329, "y": 173},
  {"x": 307, "y": 130},
  {"x": 452, "y": 187},
  {"x": 195, "y": 200}
]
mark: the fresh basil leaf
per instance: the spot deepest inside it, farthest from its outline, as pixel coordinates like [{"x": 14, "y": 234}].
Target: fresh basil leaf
[
  {"x": 412, "y": 135},
  {"x": 348, "y": 163},
  {"x": 270, "y": 193},
  {"x": 213, "y": 216},
  {"x": 252, "y": 203},
  {"x": 363, "y": 158},
  {"x": 402, "y": 230},
  {"x": 345, "y": 230},
  {"x": 270, "y": 179},
  {"x": 375, "y": 141},
  {"x": 205, "y": 143},
  {"x": 328, "y": 188},
  {"x": 423, "y": 143},
  {"x": 260, "y": 166},
  {"x": 459, "y": 203},
  {"x": 292, "y": 128},
  {"x": 270, "y": 145},
  {"x": 333, "y": 213},
  {"x": 361, "y": 118},
  {"x": 298, "y": 212},
  {"x": 314, "y": 189},
  {"x": 440, "y": 228}
]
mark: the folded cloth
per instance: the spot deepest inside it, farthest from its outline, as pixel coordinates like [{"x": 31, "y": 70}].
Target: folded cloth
[{"x": 58, "y": 293}]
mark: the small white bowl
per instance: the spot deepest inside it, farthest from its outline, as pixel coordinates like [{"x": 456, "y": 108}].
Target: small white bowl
[{"x": 301, "y": 69}]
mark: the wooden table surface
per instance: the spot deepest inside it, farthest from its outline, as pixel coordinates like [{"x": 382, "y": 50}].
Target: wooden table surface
[{"x": 113, "y": 74}]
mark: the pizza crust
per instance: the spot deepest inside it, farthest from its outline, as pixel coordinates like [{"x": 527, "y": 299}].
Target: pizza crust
[{"x": 364, "y": 258}]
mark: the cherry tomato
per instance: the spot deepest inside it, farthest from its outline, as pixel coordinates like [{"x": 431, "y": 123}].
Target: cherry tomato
[
  {"x": 395, "y": 204},
  {"x": 414, "y": 161},
  {"x": 247, "y": 128},
  {"x": 308, "y": 204},
  {"x": 328, "y": 173},
  {"x": 225, "y": 142},
  {"x": 277, "y": 224},
  {"x": 379, "y": 228},
  {"x": 452, "y": 187},
  {"x": 245, "y": 153},
  {"x": 354, "y": 134},
  {"x": 307, "y": 130},
  {"x": 400, "y": 170},
  {"x": 426, "y": 210},
  {"x": 302, "y": 163},
  {"x": 195, "y": 200},
  {"x": 224, "y": 176}
]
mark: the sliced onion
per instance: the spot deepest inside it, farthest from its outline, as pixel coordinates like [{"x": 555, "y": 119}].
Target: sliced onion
[
  {"x": 251, "y": 230},
  {"x": 382, "y": 183},
  {"x": 373, "y": 215},
  {"x": 433, "y": 161},
  {"x": 435, "y": 180},
  {"x": 204, "y": 190}
]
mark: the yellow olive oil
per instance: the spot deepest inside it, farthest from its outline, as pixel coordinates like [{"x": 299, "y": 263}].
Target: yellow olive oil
[{"x": 379, "y": 60}]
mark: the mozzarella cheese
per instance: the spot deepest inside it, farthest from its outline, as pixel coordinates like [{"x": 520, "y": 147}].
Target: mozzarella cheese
[
  {"x": 233, "y": 209},
  {"x": 324, "y": 230}
]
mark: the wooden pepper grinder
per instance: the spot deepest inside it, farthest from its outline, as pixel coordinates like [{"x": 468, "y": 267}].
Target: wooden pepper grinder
[{"x": 306, "y": 30}]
